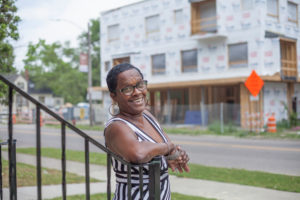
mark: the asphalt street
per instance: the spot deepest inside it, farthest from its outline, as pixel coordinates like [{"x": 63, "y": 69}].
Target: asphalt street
[{"x": 275, "y": 156}]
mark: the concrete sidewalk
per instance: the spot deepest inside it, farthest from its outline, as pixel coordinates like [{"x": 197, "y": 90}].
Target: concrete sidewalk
[{"x": 195, "y": 187}]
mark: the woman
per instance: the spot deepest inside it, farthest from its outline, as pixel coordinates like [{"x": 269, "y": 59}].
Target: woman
[{"x": 135, "y": 135}]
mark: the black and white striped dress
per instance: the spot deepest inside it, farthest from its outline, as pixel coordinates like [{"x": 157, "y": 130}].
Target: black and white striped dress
[{"x": 121, "y": 169}]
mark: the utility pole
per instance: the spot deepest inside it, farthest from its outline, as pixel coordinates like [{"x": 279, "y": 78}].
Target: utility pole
[{"x": 90, "y": 84}]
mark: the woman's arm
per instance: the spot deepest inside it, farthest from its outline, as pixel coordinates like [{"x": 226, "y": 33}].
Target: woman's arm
[
  {"x": 179, "y": 157},
  {"x": 122, "y": 140}
]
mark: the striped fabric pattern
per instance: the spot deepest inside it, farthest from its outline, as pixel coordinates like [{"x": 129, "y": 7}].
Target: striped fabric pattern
[{"x": 121, "y": 169}]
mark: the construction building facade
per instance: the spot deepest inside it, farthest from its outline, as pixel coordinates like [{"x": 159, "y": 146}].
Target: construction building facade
[{"x": 200, "y": 52}]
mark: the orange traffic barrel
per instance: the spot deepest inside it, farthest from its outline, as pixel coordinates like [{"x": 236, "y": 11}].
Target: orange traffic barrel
[
  {"x": 14, "y": 119},
  {"x": 41, "y": 120},
  {"x": 271, "y": 124}
]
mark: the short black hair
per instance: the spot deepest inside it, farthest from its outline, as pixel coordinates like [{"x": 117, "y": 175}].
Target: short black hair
[{"x": 111, "y": 78}]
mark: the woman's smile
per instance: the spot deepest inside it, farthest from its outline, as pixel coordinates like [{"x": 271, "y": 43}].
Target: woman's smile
[{"x": 138, "y": 101}]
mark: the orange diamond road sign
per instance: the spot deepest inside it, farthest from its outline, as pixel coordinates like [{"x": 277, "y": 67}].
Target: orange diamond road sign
[{"x": 254, "y": 83}]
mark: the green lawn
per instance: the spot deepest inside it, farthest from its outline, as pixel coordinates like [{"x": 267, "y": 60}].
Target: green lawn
[
  {"x": 26, "y": 176},
  {"x": 95, "y": 158},
  {"x": 244, "y": 177},
  {"x": 212, "y": 129},
  {"x": 175, "y": 196}
]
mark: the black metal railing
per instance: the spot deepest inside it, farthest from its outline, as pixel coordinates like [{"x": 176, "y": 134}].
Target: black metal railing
[{"x": 154, "y": 166}]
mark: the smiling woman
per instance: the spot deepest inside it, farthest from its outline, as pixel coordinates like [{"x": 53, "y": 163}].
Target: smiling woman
[{"x": 135, "y": 134}]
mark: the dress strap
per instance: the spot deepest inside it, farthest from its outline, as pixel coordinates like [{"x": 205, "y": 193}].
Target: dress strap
[
  {"x": 133, "y": 127},
  {"x": 156, "y": 126}
]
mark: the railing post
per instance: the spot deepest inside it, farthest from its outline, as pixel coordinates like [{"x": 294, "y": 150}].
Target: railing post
[
  {"x": 1, "y": 186},
  {"x": 1, "y": 192},
  {"x": 108, "y": 190},
  {"x": 63, "y": 160},
  {"x": 14, "y": 171},
  {"x": 154, "y": 179},
  {"x": 11, "y": 151},
  {"x": 38, "y": 153},
  {"x": 87, "y": 170}
]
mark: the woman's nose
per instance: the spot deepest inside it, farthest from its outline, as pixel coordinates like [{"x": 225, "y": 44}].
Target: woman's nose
[{"x": 136, "y": 91}]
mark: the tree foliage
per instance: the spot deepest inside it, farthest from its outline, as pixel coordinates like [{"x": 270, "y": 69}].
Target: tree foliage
[
  {"x": 8, "y": 32},
  {"x": 54, "y": 66}
]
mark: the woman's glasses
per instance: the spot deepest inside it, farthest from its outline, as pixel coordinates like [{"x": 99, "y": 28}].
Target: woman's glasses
[{"x": 142, "y": 85}]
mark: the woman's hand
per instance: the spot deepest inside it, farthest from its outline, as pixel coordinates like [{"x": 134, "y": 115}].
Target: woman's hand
[{"x": 179, "y": 160}]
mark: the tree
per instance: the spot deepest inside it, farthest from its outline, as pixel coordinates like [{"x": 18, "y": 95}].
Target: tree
[
  {"x": 95, "y": 53},
  {"x": 8, "y": 31},
  {"x": 55, "y": 66}
]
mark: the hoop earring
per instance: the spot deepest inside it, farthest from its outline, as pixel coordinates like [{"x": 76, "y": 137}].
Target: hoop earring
[{"x": 112, "y": 110}]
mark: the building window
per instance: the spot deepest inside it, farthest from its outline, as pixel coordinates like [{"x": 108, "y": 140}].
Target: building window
[
  {"x": 247, "y": 4},
  {"x": 158, "y": 64},
  {"x": 19, "y": 100},
  {"x": 178, "y": 16},
  {"x": 152, "y": 24},
  {"x": 21, "y": 85},
  {"x": 238, "y": 55},
  {"x": 57, "y": 102},
  {"x": 189, "y": 61},
  {"x": 113, "y": 32},
  {"x": 107, "y": 66},
  {"x": 41, "y": 99},
  {"x": 293, "y": 12},
  {"x": 204, "y": 17},
  {"x": 288, "y": 57},
  {"x": 272, "y": 8}
]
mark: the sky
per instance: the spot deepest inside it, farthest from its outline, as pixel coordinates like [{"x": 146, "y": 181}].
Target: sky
[{"x": 56, "y": 20}]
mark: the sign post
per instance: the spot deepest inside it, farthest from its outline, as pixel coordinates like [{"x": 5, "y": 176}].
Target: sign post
[{"x": 254, "y": 84}]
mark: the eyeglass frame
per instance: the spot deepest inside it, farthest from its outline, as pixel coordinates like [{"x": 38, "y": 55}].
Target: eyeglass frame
[{"x": 134, "y": 87}]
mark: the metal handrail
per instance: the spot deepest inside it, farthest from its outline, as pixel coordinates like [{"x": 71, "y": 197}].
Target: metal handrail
[{"x": 154, "y": 166}]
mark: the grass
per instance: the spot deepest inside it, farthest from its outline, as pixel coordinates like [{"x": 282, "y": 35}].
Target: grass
[
  {"x": 26, "y": 176},
  {"x": 80, "y": 126},
  {"x": 244, "y": 177},
  {"x": 95, "y": 158},
  {"x": 102, "y": 196}
]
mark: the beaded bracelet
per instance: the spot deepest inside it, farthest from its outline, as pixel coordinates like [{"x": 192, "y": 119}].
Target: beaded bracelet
[{"x": 173, "y": 156}]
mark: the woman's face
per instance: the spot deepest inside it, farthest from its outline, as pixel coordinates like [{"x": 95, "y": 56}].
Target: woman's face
[{"x": 130, "y": 104}]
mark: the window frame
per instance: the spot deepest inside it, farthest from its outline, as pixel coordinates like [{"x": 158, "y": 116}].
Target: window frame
[
  {"x": 176, "y": 11},
  {"x": 108, "y": 33},
  {"x": 242, "y": 5},
  {"x": 152, "y": 31},
  {"x": 158, "y": 71},
  {"x": 189, "y": 66},
  {"x": 203, "y": 24},
  {"x": 292, "y": 20},
  {"x": 239, "y": 62},
  {"x": 277, "y": 11}
]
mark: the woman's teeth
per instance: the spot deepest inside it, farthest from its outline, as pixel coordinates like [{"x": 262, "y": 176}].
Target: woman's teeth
[{"x": 138, "y": 100}]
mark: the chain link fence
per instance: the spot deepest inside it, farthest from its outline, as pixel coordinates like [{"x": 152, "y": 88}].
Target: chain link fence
[{"x": 213, "y": 115}]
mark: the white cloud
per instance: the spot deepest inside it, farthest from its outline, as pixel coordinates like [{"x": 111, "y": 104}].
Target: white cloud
[{"x": 38, "y": 20}]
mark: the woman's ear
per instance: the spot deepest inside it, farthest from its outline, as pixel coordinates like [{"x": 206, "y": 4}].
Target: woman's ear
[{"x": 113, "y": 96}]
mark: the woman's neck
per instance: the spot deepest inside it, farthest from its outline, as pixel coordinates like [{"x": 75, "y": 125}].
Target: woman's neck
[{"x": 132, "y": 117}]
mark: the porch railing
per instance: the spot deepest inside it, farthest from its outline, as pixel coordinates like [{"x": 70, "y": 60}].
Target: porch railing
[{"x": 154, "y": 166}]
